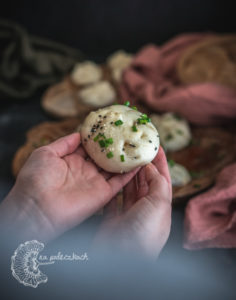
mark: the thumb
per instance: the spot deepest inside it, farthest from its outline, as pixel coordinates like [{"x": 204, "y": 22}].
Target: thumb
[{"x": 65, "y": 145}]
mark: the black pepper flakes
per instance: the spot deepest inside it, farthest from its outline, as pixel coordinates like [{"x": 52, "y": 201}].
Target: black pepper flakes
[
  {"x": 100, "y": 116},
  {"x": 150, "y": 141},
  {"x": 111, "y": 122},
  {"x": 89, "y": 136},
  {"x": 85, "y": 140},
  {"x": 99, "y": 121},
  {"x": 103, "y": 150},
  {"x": 155, "y": 148},
  {"x": 104, "y": 117},
  {"x": 132, "y": 145}
]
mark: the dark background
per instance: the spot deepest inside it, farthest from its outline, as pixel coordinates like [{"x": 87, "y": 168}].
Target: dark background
[{"x": 98, "y": 28}]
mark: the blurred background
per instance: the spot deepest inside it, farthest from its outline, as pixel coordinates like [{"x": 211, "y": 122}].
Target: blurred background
[{"x": 97, "y": 28}]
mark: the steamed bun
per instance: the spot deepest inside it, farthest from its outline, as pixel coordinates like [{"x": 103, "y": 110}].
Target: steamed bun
[
  {"x": 98, "y": 94},
  {"x": 118, "y": 62},
  {"x": 117, "y": 141},
  {"x": 86, "y": 73},
  {"x": 175, "y": 133},
  {"x": 179, "y": 174}
]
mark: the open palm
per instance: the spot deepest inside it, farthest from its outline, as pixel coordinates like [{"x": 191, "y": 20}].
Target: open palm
[{"x": 66, "y": 186}]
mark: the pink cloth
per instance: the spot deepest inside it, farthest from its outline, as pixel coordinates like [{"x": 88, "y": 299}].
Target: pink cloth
[
  {"x": 210, "y": 218},
  {"x": 152, "y": 79}
]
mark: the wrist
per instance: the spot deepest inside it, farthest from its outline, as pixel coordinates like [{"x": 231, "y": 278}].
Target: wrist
[{"x": 21, "y": 217}]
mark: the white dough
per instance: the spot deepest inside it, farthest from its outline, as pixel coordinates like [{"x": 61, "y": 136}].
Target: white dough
[
  {"x": 118, "y": 62},
  {"x": 86, "y": 73},
  {"x": 179, "y": 175},
  {"x": 139, "y": 148},
  {"x": 174, "y": 132},
  {"x": 98, "y": 94}
]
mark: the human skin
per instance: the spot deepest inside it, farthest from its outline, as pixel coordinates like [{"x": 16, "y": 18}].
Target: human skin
[
  {"x": 59, "y": 187},
  {"x": 144, "y": 224}
]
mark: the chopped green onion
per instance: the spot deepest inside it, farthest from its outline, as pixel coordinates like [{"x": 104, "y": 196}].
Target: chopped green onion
[
  {"x": 169, "y": 137},
  {"x": 122, "y": 158},
  {"x": 127, "y": 103},
  {"x": 176, "y": 116},
  {"x": 110, "y": 154},
  {"x": 179, "y": 131},
  {"x": 134, "y": 107},
  {"x": 134, "y": 128},
  {"x": 142, "y": 121},
  {"x": 102, "y": 143},
  {"x": 118, "y": 122},
  {"x": 98, "y": 136},
  {"x": 149, "y": 120},
  {"x": 171, "y": 162},
  {"x": 144, "y": 116},
  {"x": 109, "y": 141}
]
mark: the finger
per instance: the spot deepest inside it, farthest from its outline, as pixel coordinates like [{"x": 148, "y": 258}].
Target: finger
[
  {"x": 142, "y": 183},
  {"x": 130, "y": 193},
  {"x": 105, "y": 174},
  {"x": 80, "y": 151},
  {"x": 157, "y": 184},
  {"x": 152, "y": 213},
  {"x": 111, "y": 209},
  {"x": 117, "y": 182},
  {"x": 161, "y": 164},
  {"x": 65, "y": 145}
]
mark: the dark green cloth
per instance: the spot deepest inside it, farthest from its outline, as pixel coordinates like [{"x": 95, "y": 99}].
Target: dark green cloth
[{"x": 28, "y": 62}]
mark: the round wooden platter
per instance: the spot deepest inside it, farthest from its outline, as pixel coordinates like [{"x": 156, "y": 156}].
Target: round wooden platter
[
  {"x": 40, "y": 135},
  {"x": 210, "y": 150},
  {"x": 62, "y": 100}
]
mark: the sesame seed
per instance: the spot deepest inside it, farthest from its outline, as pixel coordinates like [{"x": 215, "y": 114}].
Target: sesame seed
[
  {"x": 104, "y": 117},
  {"x": 99, "y": 121}
]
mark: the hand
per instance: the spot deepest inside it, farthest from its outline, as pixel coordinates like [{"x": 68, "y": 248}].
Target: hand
[
  {"x": 145, "y": 222},
  {"x": 58, "y": 188}
]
